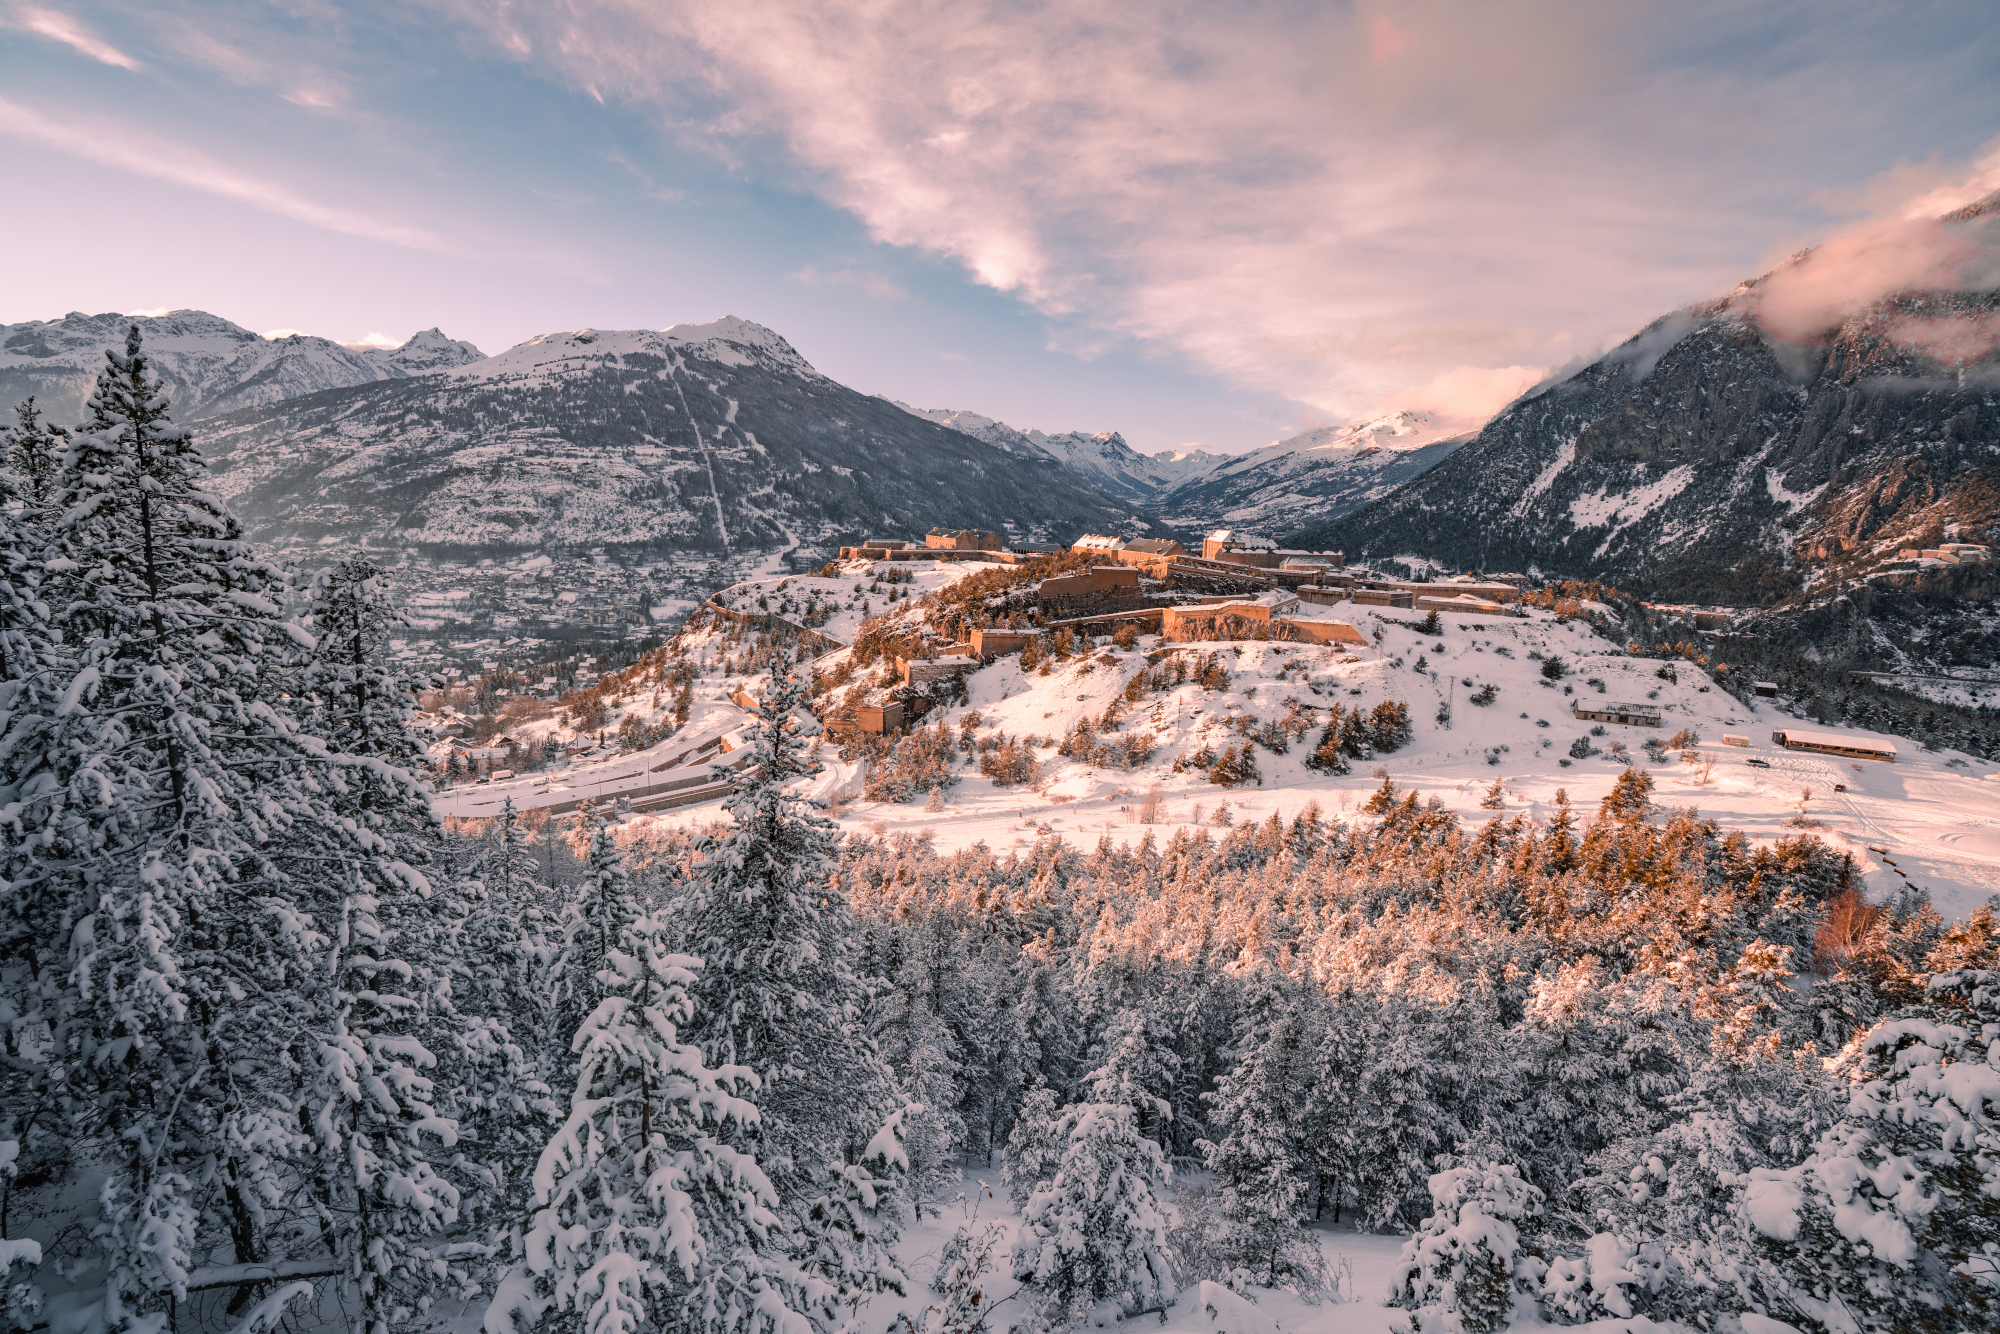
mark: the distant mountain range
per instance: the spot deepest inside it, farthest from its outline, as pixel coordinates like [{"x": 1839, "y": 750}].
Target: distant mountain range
[
  {"x": 1707, "y": 459},
  {"x": 1104, "y": 458},
  {"x": 1311, "y": 477},
  {"x": 714, "y": 437},
  {"x": 311, "y": 444},
  {"x": 210, "y": 365}
]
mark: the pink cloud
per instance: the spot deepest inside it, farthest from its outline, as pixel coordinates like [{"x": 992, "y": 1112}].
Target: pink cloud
[
  {"x": 1390, "y": 42},
  {"x": 1983, "y": 181},
  {"x": 70, "y": 32},
  {"x": 1466, "y": 396},
  {"x": 1809, "y": 296},
  {"x": 1950, "y": 340},
  {"x": 1308, "y": 211}
]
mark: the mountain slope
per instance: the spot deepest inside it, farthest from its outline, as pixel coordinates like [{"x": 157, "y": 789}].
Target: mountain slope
[
  {"x": 1710, "y": 459},
  {"x": 701, "y": 437},
  {"x": 210, "y": 365},
  {"x": 1104, "y": 458},
  {"x": 1312, "y": 477}
]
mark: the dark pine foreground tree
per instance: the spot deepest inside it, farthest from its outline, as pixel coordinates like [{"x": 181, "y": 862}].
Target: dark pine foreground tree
[{"x": 234, "y": 1026}]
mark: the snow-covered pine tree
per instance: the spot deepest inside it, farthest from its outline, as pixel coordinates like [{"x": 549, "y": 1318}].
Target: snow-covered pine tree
[
  {"x": 778, "y": 992},
  {"x": 1746, "y": 1110},
  {"x": 1463, "y": 1270},
  {"x": 922, "y": 1049},
  {"x": 503, "y": 997},
  {"x": 1262, "y": 1164},
  {"x": 591, "y": 920},
  {"x": 380, "y": 1203},
  {"x": 652, "y": 1212},
  {"x": 1032, "y": 1147},
  {"x": 1137, "y": 1069},
  {"x": 360, "y": 702},
  {"x": 35, "y": 452},
  {"x": 1328, "y": 757},
  {"x": 1338, "y": 1059},
  {"x": 849, "y": 1231},
  {"x": 1893, "y": 1223},
  {"x": 31, "y": 949},
  {"x": 231, "y": 1003},
  {"x": 1097, "y": 1228},
  {"x": 1592, "y": 1069}
]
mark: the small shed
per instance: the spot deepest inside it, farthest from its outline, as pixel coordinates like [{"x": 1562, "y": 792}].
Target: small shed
[
  {"x": 997, "y": 643},
  {"x": 1630, "y": 715},
  {"x": 1765, "y": 689},
  {"x": 1833, "y": 743},
  {"x": 918, "y": 672}
]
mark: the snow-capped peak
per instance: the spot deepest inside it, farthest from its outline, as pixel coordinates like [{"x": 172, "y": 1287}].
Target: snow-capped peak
[
  {"x": 729, "y": 340},
  {"x": 210, "y": 364},
  {"x": 430, "y": 350},
  {"x": 738, "y": 342}
]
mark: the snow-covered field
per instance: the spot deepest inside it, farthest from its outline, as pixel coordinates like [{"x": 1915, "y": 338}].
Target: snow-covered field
[
  {"x": 1935, "y": 817},
  {"x": 1362, "y": 1263}
]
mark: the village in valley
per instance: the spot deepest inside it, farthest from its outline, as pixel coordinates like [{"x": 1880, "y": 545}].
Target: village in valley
[{"x": 975, "y": 691}]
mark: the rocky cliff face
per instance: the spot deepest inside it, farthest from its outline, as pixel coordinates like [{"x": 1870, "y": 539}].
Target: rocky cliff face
[
  {"x": 210, "y": 365},
  {"x": 1709, "y": 459},
  {"x": 711, "y": 437}
]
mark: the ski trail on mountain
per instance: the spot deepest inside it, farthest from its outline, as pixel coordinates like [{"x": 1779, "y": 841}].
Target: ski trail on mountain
[{"x": 702, "y": 445}]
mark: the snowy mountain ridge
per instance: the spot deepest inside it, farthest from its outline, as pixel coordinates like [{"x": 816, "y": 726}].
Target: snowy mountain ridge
[
  {"x": 210, "y": 365},
  {"x": 1311, "y": 477},
  {"x": 1102, "y": 457},
  {"x": 728, "y": 341},
  {"x": 1776, "y": 447},
  {"x": 711, "y": 438},
  {"x": 1314, "y": 476}
]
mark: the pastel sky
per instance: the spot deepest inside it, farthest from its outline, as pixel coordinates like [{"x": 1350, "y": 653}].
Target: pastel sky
[{"x": 1193, "y": 223}]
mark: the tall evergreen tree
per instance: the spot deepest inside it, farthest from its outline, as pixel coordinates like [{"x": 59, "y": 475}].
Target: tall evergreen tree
[
  {"x": 778, "y": 992},
  {"x": 1262, "y": 1163},
  {"x": 35, "y": 452},
  {"x": 235, "y": 1011},
  {"x": 1138, "y": 1070},
  {"x": 31, "y": 959},
  {"x": 360, "y": 702},
  {"x": 650, "y": 1211},
  {"x": 1096, "y": 1228}
]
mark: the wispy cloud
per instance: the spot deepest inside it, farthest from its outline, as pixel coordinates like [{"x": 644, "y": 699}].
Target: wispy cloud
[
  {"x": 60, "y": 27},
  {"x": 1811, "y": 293},
  {"x": 1982, "y": 181},
  {"x": 1375, "y": 204},
  {"x": 865, "y": 281},
  {"x": 126, "y": 148}
]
